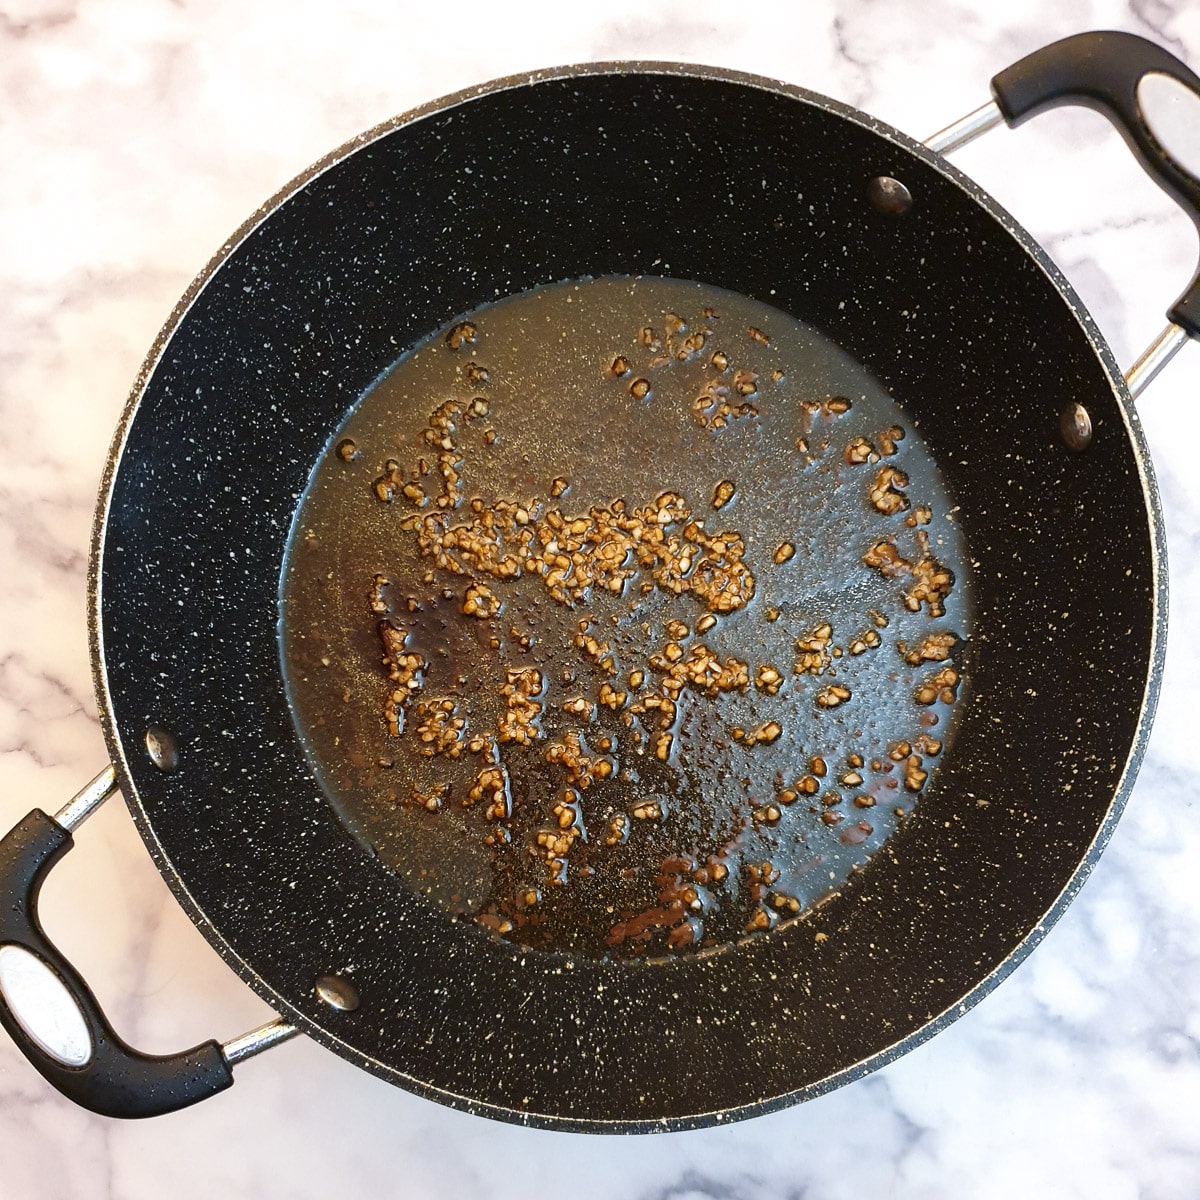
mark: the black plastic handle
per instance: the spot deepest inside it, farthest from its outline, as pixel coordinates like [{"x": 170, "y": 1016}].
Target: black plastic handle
[
  {"x": 117, "y": 1081},
  {"x": 1102, "y": 71}
]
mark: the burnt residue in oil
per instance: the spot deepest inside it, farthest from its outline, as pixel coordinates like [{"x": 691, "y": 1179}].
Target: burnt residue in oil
[{"x": 625, "y": 670}]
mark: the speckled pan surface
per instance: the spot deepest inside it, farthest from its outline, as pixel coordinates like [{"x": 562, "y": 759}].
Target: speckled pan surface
[{"x": 753, "y": 186}]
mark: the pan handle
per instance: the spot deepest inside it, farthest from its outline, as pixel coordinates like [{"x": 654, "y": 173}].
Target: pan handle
[
  {"x": 1151, "y": 97},
  {"x": 88, "y": 1062}
]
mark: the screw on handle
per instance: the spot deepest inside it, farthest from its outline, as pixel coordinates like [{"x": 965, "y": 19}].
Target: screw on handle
[
  {"x": 1102, "y": 71},
  {"x": 116, "y": 1081}
]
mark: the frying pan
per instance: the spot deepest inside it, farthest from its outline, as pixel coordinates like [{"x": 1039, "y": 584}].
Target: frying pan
[{"x": 777, "y": 193}]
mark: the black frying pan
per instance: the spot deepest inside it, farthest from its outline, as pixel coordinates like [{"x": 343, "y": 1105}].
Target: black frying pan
[{"x": 777, "y": 194}]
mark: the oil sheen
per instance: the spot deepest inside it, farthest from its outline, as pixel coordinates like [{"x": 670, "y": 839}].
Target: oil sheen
[{"x": 624, "y": 618}]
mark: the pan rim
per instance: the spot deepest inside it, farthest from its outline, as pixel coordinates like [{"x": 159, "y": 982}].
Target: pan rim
[{"x": 900, "y": 142}]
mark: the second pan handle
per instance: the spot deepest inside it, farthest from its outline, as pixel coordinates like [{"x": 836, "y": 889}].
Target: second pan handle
[
  {"x": 91, "y": 1065},
  {"x": 109, "y": 1077},
  {"x": 1108, "y": 71}
]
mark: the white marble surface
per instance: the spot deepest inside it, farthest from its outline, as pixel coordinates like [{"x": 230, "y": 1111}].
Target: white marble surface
[{"x": 134, "y": 135}]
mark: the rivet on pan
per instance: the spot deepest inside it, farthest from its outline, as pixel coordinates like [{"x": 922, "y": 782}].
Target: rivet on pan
[
  {"x": 337, "y": 992},
  {"x": 888, "y": 195},
  {"x": 1076, "y": 427},
  {"x": 160, "y": 745}
]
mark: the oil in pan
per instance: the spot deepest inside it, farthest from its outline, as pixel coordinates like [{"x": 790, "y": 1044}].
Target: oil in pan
[{"x": 622, "y": 617}]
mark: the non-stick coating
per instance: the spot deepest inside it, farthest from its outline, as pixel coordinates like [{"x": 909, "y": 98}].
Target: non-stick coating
[{"x": 697, "y": 174}]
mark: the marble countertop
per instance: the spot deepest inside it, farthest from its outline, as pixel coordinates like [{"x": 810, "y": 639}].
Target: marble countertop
[{"x": 135, "y": 135}]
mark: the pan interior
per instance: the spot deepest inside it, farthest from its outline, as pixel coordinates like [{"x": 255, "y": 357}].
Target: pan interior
[
  {"x": 696, "y": 174},
  {"x": 607, "y": 622}
]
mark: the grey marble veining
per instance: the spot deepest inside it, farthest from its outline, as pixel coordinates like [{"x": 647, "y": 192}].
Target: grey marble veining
[{"x": 135, "y": 137}]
